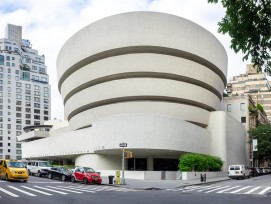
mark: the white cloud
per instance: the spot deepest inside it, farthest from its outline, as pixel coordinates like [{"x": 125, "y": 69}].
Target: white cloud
[{"x": 49, "y": 23}]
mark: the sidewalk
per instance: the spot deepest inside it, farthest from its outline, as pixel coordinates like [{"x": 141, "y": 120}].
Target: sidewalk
[{"x": 163, "y": 184}]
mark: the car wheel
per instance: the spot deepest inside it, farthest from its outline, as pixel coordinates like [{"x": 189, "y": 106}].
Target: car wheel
[
  {"x": 50, "y": 176},
  {"x": 85, "y": 181},
  {"x": 72, "y": 179},
  {"x": 25, "y": 181},
  {"x": 39, "y": 174},
  {"x": 63, "y": 178},
  {"x": 6, "y": 178},
  {"x": 29, "y": 173}
]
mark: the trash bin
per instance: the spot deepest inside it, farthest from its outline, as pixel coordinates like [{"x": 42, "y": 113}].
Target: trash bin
[{"x": 110, "y": 178}]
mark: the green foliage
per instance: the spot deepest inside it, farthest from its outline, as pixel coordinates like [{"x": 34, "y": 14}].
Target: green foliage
[
  {"x": 260, "y": 107},
  {"x": 248, "y": 24},
  {"x": 263, "y": 135},
  {"x": 250, "y": 108},
  {"x": 199, "y": 162}
]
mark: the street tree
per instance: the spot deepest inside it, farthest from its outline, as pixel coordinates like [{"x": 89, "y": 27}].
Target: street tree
[
  {"x": 248, "y": 23},
  {"x": 263, "y": 135}
]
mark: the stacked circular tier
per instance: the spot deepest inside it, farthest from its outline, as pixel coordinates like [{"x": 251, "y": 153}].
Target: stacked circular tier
[{"x": 141, "y": 62}]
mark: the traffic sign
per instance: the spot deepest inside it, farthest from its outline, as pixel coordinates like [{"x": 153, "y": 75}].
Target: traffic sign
[{"x": 123, "y": 144}]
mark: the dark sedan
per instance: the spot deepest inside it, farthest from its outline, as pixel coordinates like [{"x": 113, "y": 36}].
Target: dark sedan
[{"x": 60, "y": 172}]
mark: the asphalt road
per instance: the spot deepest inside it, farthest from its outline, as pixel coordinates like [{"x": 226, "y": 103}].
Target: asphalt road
[{"x": 44, "y": 191}]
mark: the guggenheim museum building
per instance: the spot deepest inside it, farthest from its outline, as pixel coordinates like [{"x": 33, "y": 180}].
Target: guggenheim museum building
[{"x": 152, "y": 80}]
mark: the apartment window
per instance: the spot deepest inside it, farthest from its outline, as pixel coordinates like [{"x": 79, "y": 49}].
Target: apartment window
[
  {"x": 37, "y": 93},
  {"x": 18, "y": 90},
  {"x": 28, "y": 98},
  {"x": 18, "y": 103},
  {"x": 36, "y": 111},
  {"x": 46, "y": 100},
  {"x": 19, "y": 121},
  {"x": 17, "y": 78},
  {"x": 18, "y": 145},
  {"x": 1, "y": 133},
  {"x": 27, "y": 104},
  {"x": 37, "y": 117},
  {"x": 28, "y": 122},
  {"x": 46, "y": 118},
  {"x": 19, "y": 115},
  {"x": 9, "y": 126},
  {"x": 242, "y": 106},
  {"x": 229, "y": 108},
  {"x": 46, "y": 89},
  {"x": 18, "y": 157},
  {"x": 27, "y": 116},
  {"x": 243, "y": 119},
  {"x": 18, "y": 151},
  {"x": 18, "y": 133},
  {"x": 36, "y": 99},
  {"x": 45, "y": 112},
  {"x": 8, "y": 151},
  {"x": 17, "y": 71},
  {"x": 1, "y": 144},
  {"x": 18, "y": 84},
  {"x": 18, "y": 127},
  {"x": 1, "y": 138},
  {"x": 37, "y": 87},
  {"x": 36, "y": 105},
  {"x": 9, "y": 144},
  {"x": 18, "y": 96},
  {"x": 46, "y": 95},
  {"x": 28, "y": 86},
  {"x": 28, "y": 110}
]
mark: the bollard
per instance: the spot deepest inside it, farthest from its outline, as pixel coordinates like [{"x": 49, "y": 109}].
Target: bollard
[{"x": 201, "y": 178}]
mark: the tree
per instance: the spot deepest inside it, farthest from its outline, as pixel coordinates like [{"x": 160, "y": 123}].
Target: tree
[
  {"x": 248, "y": 23},
  {"x": 263, "y": 135}
]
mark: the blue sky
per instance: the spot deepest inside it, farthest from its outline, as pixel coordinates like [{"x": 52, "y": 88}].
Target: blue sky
[{"x": 49, "y": 23}]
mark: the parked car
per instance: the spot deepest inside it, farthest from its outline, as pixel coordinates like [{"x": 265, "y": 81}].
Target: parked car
[
  {"x": 253, "y": 172},
  {"x": 238, "y": 171},
  {"x": 13, "y": 170},
  {"x": 60, "y": 172},
  {"x": 39, "y": 168},
  {"x": 86, "y": 175}
]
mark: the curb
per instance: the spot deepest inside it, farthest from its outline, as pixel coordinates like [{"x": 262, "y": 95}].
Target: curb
[{"x": 203, "y": 183}]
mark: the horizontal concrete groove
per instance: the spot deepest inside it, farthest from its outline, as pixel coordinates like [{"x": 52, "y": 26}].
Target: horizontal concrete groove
[
  {"x": 139, "y": 98},
  {"x": 141, "y": 49},
  {"x": 142, "y": 75}
]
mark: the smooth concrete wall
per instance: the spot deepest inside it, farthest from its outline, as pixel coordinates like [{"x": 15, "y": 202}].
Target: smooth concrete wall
[
  {"x": 227, "y": 139},
  {"x": 197, "y": 175},
  {"x": 99, "y": 162},
  {"x": 146, "y": 132},
  {"x": 143, "y": 65},
  {"x": 141, "y": 29}
]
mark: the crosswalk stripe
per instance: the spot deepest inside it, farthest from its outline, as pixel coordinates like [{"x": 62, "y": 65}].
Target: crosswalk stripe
[
  {"x": 265, "y": 190},
  {"x": 64, "y": 189},
  {"x": 8, "y": 192},
  {"x": 216, "y": 189},
  {"x": 84, "y": 190},
  {"x": 252, "y": 190},
  {"x": 63, "y": 193},
  {"x": 208, "y": 188},
  {"x": 192, "y": 188},
  {"x": 222, "y": 191},
  {"x": 88, "y": 187},
  {"x": 236, "y": 191},
  {"x": 32, "y": 189},
  {"x": 22, "y": 191}
]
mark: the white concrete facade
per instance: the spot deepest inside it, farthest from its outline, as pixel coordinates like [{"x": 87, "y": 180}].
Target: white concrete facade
[{"x": 146, "y": 79}]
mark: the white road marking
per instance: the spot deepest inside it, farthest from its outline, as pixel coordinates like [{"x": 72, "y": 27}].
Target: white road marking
[
  {"x": 44, "y": 182},
  {"x": 32, "y": 189},
  {"x": 252, "y": 190},
  {"x": 240, "y": 189},
  {"x": 63, "y": 193},
  {"x": 22, "y": 191},
  {"x": 192, "y": 188},
  {"x": 84, "y": 190},
  {"x": 216, "y": 189},
  {"x": 208, "y": 188},
  {"x": 228, "y": 189},
  {"x": 8, "y": 192},
  {"x": 63, "y": 189},
  {"x": 265, "y": 190}
]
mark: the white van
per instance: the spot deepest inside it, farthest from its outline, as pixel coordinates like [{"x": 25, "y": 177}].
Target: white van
[{"x": 238, "y": 171}]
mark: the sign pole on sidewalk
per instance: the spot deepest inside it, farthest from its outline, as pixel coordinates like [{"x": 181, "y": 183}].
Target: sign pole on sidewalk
[{"x": 122, "y": 175}]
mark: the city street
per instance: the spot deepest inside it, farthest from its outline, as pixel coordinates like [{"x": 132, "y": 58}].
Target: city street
[{"x": 42, "y": 190}]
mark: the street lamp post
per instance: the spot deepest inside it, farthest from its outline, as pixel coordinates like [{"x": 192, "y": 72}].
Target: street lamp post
[{"x": 122, "y": 175}]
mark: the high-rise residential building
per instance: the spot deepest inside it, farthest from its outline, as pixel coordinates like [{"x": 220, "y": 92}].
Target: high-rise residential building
[
  {"x": 255, "y": 84},
  {"x": 24, "y": 90}
]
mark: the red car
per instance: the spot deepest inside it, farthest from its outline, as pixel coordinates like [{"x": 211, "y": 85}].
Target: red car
[{"x": 86, "y": 175}]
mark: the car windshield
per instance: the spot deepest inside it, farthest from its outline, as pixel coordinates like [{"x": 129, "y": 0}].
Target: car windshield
[
  {"x": 89, "y": 170},
  {"x": 16, "y": 164},
  {"x": 45, "y": 164},
  {"x": 64, "y": 169}
]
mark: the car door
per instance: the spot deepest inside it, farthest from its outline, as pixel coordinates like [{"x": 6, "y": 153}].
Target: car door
[
  {"x": 1, "y": 168},
  {"x": 79, "y": 174},
  {"x": 5, "y": 168}
]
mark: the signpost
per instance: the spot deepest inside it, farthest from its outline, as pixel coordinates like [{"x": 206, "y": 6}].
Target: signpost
[
  {"x": 254, "y": 148},
  {"x": 122, "y": 176}
]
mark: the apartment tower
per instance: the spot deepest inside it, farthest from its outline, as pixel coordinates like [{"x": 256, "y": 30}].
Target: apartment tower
[{"x": 24, "y": 90}]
